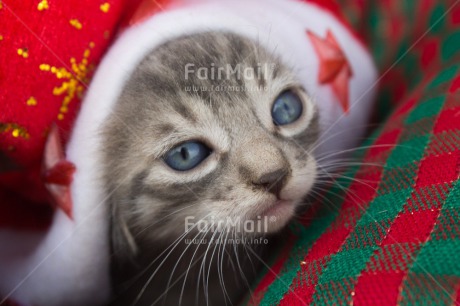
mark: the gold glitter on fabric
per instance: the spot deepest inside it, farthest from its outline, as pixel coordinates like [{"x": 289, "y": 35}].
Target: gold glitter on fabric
[
  {"x": 23, "y": 52},
  {"x": 105, "y": 7},
  {"x": 74, "y": 81},
  {"x": 31, "y": 101},
  {"x": 76, "y": 24},
  {"x": 15, "y": 130},
  {"x": 43, "y": 5}
]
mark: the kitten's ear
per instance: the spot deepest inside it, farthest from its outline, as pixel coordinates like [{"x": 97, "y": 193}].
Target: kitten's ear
[{"x": 124, "y": 246}]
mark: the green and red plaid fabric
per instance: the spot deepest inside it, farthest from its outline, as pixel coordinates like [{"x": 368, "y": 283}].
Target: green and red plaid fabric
[{"x": 388, "y": 231}]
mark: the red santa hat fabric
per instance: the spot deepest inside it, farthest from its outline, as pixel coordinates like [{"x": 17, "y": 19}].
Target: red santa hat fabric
[{"x": 49, "y": 51}]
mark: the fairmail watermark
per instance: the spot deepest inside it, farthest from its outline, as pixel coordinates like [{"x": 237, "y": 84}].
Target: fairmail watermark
[
  {"x": 228, "y": 241},
  {"x": 259, "y": 73},
  {"x": 229, "y": 72},
  {"x": 223, "y": 87},
  {"x": 234, "y": 225}
]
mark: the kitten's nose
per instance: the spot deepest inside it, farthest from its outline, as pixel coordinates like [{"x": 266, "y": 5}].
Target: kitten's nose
[
  {"x": 262, "y": 165},
  {"x": 273, "y": 181}
]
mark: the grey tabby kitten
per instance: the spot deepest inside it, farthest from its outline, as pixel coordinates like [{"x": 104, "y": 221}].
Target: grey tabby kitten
[{"x": 203, "y": 154}]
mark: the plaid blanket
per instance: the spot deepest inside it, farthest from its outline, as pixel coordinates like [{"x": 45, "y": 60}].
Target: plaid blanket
[{"x": 388, "y": 231}]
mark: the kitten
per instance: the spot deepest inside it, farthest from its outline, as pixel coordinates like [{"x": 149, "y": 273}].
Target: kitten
[{"x": 206, "y": 154}]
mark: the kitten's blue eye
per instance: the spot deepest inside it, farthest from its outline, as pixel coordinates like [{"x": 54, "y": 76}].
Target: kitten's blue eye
[
  {"x": 187, "y": 155},
  {"x": 287, "y": 108}
]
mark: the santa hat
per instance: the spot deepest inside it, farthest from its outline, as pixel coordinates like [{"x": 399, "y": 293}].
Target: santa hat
[{"x": 67, "y": 261}]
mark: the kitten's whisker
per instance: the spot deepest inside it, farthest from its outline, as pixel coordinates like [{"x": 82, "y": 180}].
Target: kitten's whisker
[
  {"x": 320, "y": 141},
  {"x": 248, "y": 257},
  {"x": 344, "y": 167},
  {"x": 324, "y": 171},
  {"x": 352, "y": 193},
  {"x": 204, "y": 234},
  {"x": 327, "y": 155},
  {"x": 230, "y": 262},
  {"x": 202, "y": 267},
  {"x": 327, "y": 191},
  {"x": 240, "y": 269},
  {"x": 224, "y": 251},
  {"x": 177, "y": 280},
  {"x": 220, "y": 256},
  {"x": 333, "y": 178},
  {"x": 350, "y": 178},
  {"x": 173, "y": 245},
  {"x": 351, "y": 162},
  {"x": 180, "y": 258},
  {"x": 161, "y": 219},
  {"x": 337, "y": 171},
  {"x": 209, "y": 270},
  {"x": 322, "y": 197},
  {"x": 276, "y": 274}
]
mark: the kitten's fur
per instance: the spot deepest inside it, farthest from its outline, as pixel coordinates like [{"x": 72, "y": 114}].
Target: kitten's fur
[{"x": 154, "y": 113}]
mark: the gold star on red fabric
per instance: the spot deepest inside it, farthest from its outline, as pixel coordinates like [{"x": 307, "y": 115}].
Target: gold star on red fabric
[{"x": 334, "y": 67}]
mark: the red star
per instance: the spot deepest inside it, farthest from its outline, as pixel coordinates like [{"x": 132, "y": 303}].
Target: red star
[
  {"x": 58, "y": 172},
  {"x": 334, "y": 66}
]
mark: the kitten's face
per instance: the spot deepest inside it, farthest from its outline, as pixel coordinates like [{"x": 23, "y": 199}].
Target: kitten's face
[{"x": 176, "y": 154}]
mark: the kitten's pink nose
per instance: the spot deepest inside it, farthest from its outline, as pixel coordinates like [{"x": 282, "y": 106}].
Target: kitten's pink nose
[{"x": 272, "y": 182}]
